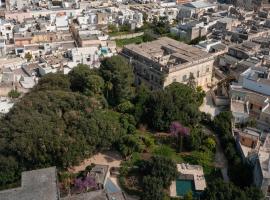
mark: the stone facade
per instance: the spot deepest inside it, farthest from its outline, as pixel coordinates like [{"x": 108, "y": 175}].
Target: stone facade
[{"x": 159, "y": 63}]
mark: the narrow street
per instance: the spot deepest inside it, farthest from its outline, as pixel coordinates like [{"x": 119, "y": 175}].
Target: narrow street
[{"x": 221, "y": 161}]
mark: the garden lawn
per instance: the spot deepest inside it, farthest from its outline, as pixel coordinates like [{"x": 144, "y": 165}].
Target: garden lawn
[{"x": 123, "y": 42}]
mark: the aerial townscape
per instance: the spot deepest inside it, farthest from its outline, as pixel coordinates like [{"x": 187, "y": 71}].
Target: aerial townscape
[{"x": 134, "y": 99}]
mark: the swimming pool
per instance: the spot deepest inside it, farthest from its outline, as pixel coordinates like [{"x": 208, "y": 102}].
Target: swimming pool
[{"x": 184, "y": 186}]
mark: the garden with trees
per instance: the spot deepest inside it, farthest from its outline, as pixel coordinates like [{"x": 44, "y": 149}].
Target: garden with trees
[
  {"x": 67, "y": 118},
  {"x": 158, "y": 27}
]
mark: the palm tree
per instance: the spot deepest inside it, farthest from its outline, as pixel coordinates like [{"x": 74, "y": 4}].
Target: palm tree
[
  {"x": 179, "y": 131},
  {"x": 108, "y": 88}
]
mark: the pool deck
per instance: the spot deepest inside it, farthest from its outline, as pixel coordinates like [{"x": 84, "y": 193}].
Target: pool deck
[
  {"x": 189, "y": 172},
  {"x": 196, "y": 171},
  {"x": 173, "y": 189}
]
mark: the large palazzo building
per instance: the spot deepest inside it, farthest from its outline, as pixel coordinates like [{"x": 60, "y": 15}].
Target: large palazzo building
[{"x": 159, "y": 63}]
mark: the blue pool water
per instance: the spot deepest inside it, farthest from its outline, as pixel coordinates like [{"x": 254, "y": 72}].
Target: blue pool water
[
  {"x": 111, "y": 187},
  {"x": 184, "y": 186},
  {"x": 104, "y": 50}
]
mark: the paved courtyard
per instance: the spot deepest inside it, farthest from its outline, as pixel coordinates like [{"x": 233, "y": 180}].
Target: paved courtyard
[{"x": 208, "y": 106}]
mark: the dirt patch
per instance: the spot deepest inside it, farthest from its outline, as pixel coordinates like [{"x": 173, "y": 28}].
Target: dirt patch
[{"x": 111, "y": 158}]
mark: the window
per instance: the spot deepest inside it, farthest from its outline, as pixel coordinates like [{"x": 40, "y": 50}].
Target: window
[
  {"x": 251, "y": 106},
  {"x": 198, "y": 74},
  {"x": 207, "y": 69}
]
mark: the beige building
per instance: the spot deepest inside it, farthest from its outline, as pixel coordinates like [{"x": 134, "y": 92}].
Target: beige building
[{"x": 159, "y": 63}]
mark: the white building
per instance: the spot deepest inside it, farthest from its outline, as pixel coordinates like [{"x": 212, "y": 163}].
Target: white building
[
  {"x": 85, "y": 55},
  {"x": 250, "y": 98},
  {"x": 6, "y": 30},
  {"x": 256, "y": 79},
  {"x": 61, "y": 23},
  {"x": 195, "y": 9},
  {"x": 12, "y": 63}
]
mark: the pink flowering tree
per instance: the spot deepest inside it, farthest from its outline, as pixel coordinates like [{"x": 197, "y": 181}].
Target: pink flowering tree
[
  {"x": 85, "y": 184},
  {"x": 179, "y": 131}
]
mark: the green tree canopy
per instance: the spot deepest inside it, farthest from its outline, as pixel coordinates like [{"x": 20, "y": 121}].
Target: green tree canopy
[
  {"x": 152, "y": 188},
  {"x": 14, "y": 94},
  {"x": 218, "y": 190},
  {"x": 177, "y": 102},
  {"x": 118, "y": 74},
  {"x": 239, "y": 172},
  {"x": 55, "y": 127},
  {"x": 28, "y": 56},
  {"x": 85, "y": 80},
  {"x": 160, "y": 167},
  {"x": 142, "y": 96},
  {"x": 8, "y": 169},
  {"x": 53, "y": 82},
  {"x": 94, "y": 85}
]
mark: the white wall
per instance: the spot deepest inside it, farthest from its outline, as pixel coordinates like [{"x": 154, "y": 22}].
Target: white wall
[{"x": 256, "y": 86}]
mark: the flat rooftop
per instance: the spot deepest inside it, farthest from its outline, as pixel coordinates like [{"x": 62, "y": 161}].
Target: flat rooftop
[
  {"x": 258, "y": 74},
  {"x": 238, "y": 107},
  {"x": 168, "y": 52},
  {"x": 36, "y": 185},
  {"x": 199, "y": 4},
  {"x": 246, "y": 46}
]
